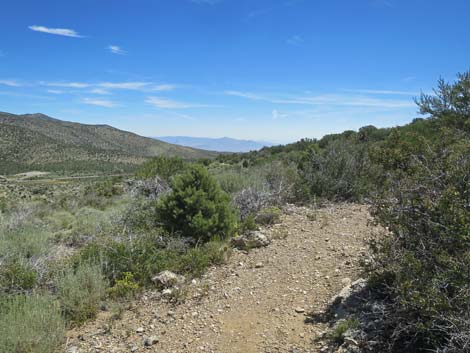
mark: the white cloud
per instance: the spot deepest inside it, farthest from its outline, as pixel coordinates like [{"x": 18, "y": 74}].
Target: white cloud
[
  {"x": 278, "y": 115},
  {"x": 326, "y": 99},
  {"x": 67, "y": 84},
  {"x": 295, "y": 40},
  {"x": 10, "y": 83},
  {"x": 55, "y": 91},
  {"x": 248, "y": 95},
  {"x": 57, "y": 31},
  {"x": 164, "y": 87},
  {"x": 383, "y": 92},
  {"x": 115, "y": 49},
  {"x": 99, "y": 102},
  {"x": 99, "y": 91},
  {"x": 124, "y": 85},
  {"x": 165, "y": 103}
]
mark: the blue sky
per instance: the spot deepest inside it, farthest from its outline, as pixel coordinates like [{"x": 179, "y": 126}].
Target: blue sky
[{"x": 274, "y": 70}]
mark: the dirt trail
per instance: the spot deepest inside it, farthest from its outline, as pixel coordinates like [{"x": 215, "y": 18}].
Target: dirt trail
[{"x": 257, "y": 302}]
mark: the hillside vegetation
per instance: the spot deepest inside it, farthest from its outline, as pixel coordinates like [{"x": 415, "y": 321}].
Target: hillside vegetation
[
  {"x": 38, "y": 142},
  {"x": 67, "y": 250}
]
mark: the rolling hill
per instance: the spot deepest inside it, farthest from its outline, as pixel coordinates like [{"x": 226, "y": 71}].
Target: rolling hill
[
  {"x": 223, "y": 144},
  {"x": 38, "y": 142}
]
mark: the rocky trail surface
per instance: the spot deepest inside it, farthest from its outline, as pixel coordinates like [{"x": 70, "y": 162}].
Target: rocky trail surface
[{"x": 257, "y": 302}]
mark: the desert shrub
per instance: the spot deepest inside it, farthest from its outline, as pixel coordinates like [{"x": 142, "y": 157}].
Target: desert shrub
[
  {"x": 32, "y": 324},
  {"x": 145, "y": 256},
  {"x": 340, "y": 329},
  {"x": 422, "y": 268},
  {"x": 248, "y": 224},
  {"x": 17, "y": 276},
  {"x": 284, "y": 183},
  {"x": 29, "y": 242},
  {"x": 249, "y": 201},
  {"x": 80, "y": 291},
  {"x": 424, "y": 265},
  {"x": 341, "y": 170},
  {"x": 125, "y": 287},
  {"x": 106, "y": 188},
  {"x": 196, "y": 207},
  {"x": 150, "y": 189},
  {"x": 163, "y": 167},
  {"x": 268, "y": 216}
]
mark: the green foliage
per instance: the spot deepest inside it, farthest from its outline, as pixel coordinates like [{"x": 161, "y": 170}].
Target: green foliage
[
  {"x": 268, "y": 216},
  {"x": 341, "y": 170},
  {"x": 340, "y": 328},
  {"x": 163, "y": 167},
  {"x": 147, "y": 255},
  {"x": 17, "y": 276},
  {"x": 30, "y": 324},
  {"x": 106, "y": 188},
  {"x": 248, "y": 224},
  {"x": 126, "y": 287},
  {"x": 422, "y": 268},
  {"x": 197, "y": 207},
  {"x": 80, "y": 292}
]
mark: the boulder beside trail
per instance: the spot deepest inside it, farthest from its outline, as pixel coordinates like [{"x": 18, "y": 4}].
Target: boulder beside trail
[
  {"x": 167, "y": 279},
  {"x": 255, "y": 239}
]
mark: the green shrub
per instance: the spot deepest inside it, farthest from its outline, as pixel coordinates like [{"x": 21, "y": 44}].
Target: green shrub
[
  {"x": 17, "y": 276},
  {"x": 147, "y": 255},
  {"x": 340, "y": 328},
  {"x": 163, "y": 167},
  {"x": 30, "y": 324},
  {"x": 248, "y": 224},
  {"x": 126, "y": 287},
  {"x": 197, "y": 207},
  {"x": 422, "y": 267},
  {"x": 80, "y": 292},
  {"x": 268, "y": 216}
]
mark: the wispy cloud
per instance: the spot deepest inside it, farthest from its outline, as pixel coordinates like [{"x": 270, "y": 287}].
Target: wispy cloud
[
  {"x": 164, "y": 87},
  {"x": 99, "y": 102},
  {"x": 115, "y": 49},
  {"x": 278, "y": 115},
  {"x": 55, "y": 91},
  {"x": 124, "y": 85},
  {"x": 165, "y": 103},
  {"x": 67, "y": 84},
  {"x": 57, "y": 31},
  {"x": 295, "y": 40},
  {"x": 383, "y": 92},
  {"x": 2, "y": 53},
  {"x": 101, "y": 86},
  {"x": 326, "y": 99},
  {"x": 10, "y": 83},
  {"x": 99, "y": 91},
  {"x": 248, "y": 95}
]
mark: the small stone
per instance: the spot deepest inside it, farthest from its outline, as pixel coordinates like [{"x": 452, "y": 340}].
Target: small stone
[
  {"x": 150, "y": 341},
  {"x": 259, "y": 265},
  {"x": 140, "y": 330},
  {"x": 299, "y": 310}
]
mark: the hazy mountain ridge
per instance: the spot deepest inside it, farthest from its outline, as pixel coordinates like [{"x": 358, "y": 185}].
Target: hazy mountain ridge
[
  {"x": 41, "y": 142},
  {"x": 223, "y": 144}
]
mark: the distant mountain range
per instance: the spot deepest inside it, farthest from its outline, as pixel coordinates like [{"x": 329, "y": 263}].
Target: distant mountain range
[
  {"x": 38, "y": 142},
  {"x": 223, "y": 144}
]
